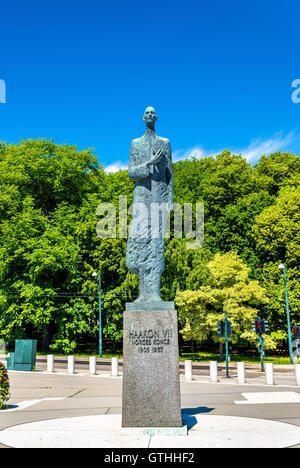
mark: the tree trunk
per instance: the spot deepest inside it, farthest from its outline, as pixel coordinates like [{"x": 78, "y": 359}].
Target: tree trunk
[
  {"x": 46, "y": 342},
  {"x": 221, "y": 351},
  {"x": 47, "y": 337}
]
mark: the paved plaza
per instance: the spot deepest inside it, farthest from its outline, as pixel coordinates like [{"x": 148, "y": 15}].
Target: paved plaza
[{"x": 76, "y": 400}]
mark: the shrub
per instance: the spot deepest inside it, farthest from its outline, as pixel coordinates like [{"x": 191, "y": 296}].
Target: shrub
[{"x": 4, "y": 386}]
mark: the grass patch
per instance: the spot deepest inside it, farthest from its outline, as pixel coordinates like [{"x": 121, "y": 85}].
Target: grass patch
[
  {"x": 195, "y": 357},
  {"x": 83, "y": 355},
  {"x": 204, "y": 357}
]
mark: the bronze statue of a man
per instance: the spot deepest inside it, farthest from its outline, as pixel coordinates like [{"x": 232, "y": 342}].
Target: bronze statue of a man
[{"x": 150, "y": 166}]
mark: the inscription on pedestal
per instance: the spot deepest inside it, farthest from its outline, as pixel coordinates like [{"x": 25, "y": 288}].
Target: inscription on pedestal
[
  {"x": 151, "y": 390},
  {"x": 151, "y": 341}
]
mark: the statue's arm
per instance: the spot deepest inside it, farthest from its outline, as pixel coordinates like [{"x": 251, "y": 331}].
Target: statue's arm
[
  {"x": 136, "y": 171},
  {"x": 169, "y": 174}
]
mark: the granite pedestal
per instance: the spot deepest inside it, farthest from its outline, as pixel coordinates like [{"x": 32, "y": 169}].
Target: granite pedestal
[{"x": 151, "y": 389}]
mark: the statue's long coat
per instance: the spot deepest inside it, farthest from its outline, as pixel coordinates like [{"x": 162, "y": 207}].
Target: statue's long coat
[{"x": 145, "y": 254}]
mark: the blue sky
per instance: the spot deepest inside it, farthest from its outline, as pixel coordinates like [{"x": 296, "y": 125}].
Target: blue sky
[{"x": 219, "y": 74}]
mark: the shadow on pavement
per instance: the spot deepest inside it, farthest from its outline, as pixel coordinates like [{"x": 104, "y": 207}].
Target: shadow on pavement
[{"x": 188, "y": 417}]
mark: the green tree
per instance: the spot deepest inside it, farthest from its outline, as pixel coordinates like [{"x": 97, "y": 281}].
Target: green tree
[
  {"x": 276, "y": 171},
  {"x": 49, "y": 248},
  {"x": 231, "y": 292},
  {"x": 43, "y": 188},
  {"x": 277, "y": 240}
]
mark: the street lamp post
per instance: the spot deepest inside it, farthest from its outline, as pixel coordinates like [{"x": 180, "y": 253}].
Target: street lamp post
[
  {"x": 283, "y": 267},
  {"x": 261, "y": 350},
  {"x": 226, "y": 345},
  {"x": 100, "y": 314}
]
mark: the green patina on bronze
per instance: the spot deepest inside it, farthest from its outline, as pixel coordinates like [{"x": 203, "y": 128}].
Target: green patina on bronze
[{"x": 150, "y": 166}]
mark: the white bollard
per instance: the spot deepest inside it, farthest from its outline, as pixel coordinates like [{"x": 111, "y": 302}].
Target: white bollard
[
  {"x": 188, "y": 370},
  {"x": 114, "y": 367},
  {"x": 71, "y": 365},
  {"x": 241, "y": 372},
  {"x": 93, "y": 364},
  {"x": 269, "y": 373},
  {"x": 213, "y": 365},
  {"x": 50, "y": 363},
  {"x": 297, "y": 373}
]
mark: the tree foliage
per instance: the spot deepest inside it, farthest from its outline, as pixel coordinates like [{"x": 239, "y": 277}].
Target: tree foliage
[
  {"x": 49, "y": 248},
  {"x": 4, "y": 386},
  {"x": 230, "y": 292}
]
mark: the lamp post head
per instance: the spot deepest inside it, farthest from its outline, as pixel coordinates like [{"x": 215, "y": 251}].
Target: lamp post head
[
  {"x": 281, "y": 266},
  {"x": 94, "y": 274}
]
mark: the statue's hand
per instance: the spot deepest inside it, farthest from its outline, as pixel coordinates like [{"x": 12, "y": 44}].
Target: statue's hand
[
  {"x": 170, "y": 207},
  {"x": 155, "y": 158}
]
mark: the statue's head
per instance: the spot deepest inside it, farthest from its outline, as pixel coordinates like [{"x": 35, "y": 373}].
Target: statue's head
[{"x": 150, "y": 115}]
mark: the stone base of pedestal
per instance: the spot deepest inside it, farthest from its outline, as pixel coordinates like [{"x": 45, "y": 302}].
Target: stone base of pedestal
[
  {"x": 165, "y": 431},
  {"x": 151, "y": 389}
]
